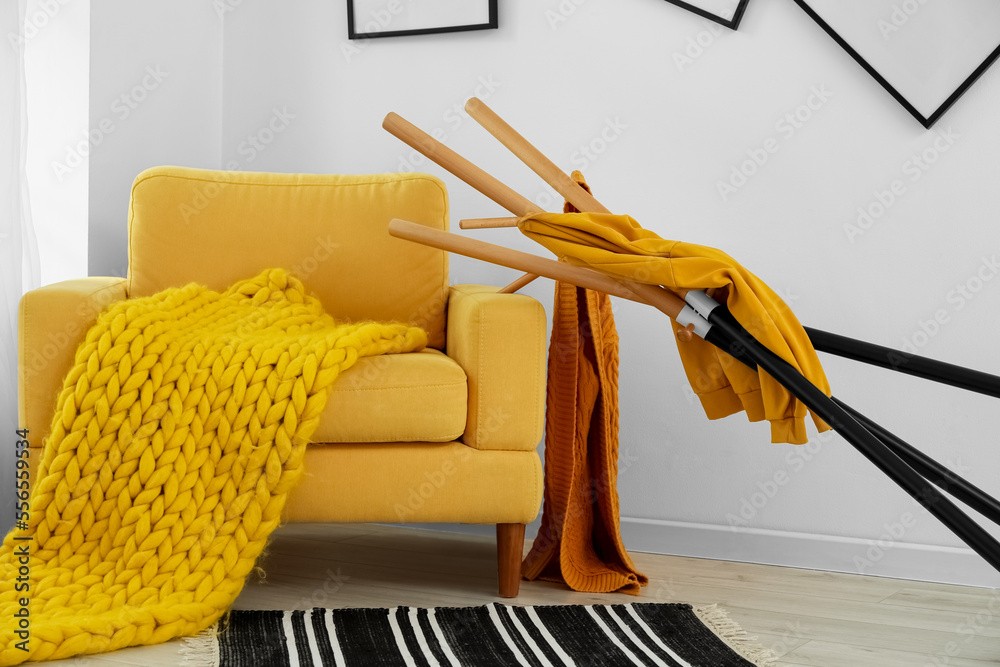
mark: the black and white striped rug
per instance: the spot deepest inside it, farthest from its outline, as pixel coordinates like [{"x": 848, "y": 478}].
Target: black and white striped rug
[{"x": 676, "y": 635}]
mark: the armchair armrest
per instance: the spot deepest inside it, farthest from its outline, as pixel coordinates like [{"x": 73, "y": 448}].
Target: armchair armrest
[
  {"x": 499, "y": 340},
  {"x": 52, "y": 322}
]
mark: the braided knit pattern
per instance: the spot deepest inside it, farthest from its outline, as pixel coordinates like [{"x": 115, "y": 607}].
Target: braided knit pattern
[{"x": 178, "y": 433}]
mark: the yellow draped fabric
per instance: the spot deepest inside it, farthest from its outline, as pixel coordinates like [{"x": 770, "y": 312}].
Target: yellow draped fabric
[
  {"x": 178, "y": 433},
  {"x": 618, "y": 246}
]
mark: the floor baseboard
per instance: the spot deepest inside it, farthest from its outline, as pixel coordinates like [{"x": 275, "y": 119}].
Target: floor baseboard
[{"x": 886, "y": 557}]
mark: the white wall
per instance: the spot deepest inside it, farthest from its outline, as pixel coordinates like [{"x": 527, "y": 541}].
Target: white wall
[
  {"x": 57, "y": 63},
  {"x": 52, "y": 83},
  {"x": 564, "y": 73},
  {"x": 155, "y": 96}
]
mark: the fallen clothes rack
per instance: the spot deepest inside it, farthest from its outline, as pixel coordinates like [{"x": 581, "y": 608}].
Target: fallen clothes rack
[{"x": 915, "y": 472}]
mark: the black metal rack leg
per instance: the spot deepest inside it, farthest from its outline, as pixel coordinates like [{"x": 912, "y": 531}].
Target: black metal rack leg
[
  {"x": 743, "y": 344},
  {"x": 930, "y": 469},
  {"x": 927, "y": 467},
  {"x": 904, "y": 362}
]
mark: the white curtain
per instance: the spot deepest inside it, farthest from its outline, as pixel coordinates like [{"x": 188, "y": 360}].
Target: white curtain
[{"x": 18, "y": 249}]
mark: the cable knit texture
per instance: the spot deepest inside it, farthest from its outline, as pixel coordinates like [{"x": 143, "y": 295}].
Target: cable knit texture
[
  {"x": 579, "y": 541},
  {"x": 178, "y": 433}
]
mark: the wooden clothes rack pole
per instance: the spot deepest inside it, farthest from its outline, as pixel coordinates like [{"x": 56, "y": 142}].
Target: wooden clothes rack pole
[
  {"x": 914, "y": 472},
  {"x": 515, "y": 259},
  {"x": 433, "y": 149}
]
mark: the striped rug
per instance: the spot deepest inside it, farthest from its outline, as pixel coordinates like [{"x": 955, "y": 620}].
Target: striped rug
[{"x": 676, "y": 635}]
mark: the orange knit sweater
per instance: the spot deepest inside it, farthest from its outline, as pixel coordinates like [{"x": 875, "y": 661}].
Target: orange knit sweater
[{"x": 579, "y": 541}]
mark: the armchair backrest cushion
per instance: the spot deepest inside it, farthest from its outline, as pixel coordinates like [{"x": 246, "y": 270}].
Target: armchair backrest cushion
[{"x": 217, "y": 227}]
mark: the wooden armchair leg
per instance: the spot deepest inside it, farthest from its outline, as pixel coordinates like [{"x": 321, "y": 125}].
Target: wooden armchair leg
[{"x": 510, "y": 548}]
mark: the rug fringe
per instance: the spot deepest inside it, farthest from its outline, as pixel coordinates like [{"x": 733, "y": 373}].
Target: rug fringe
[
  {"x": 729, "y": 631},
  {"x": 202, "y": 650}
]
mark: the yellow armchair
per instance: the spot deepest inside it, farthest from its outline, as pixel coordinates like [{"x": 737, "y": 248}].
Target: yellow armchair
[{"x": 444, "y": 435}]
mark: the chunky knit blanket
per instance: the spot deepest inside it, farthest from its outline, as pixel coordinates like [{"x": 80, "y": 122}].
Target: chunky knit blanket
[{"x": 178, "y": 433}]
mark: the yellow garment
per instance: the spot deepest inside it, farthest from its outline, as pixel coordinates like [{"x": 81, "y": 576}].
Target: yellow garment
[
  {"x": 618, "y": 246},
  {"x": 178, "y": 434}
]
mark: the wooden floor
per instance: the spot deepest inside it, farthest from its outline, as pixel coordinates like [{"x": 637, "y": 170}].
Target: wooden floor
[{"x": 806, "y": 617}]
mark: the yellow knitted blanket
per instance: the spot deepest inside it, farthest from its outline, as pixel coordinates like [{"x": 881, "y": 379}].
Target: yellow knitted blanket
[{"x": 177, "y": 436}]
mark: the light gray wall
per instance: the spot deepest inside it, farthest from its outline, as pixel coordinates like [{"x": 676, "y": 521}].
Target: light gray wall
[
  {"x": 57, "y": 64},
  {"x": 665, "y": 132},
  {"x": 155, "y": 97}
]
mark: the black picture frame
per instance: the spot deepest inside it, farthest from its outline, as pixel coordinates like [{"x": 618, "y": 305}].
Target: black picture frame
[
  {"x": 354, "y": 33},
  {"x": 732, "y": 23},
  {"x": 926, "y": 120}
]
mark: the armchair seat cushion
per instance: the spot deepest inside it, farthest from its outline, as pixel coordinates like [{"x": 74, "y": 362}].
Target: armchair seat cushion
[{"x": 416, "y": 397}]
